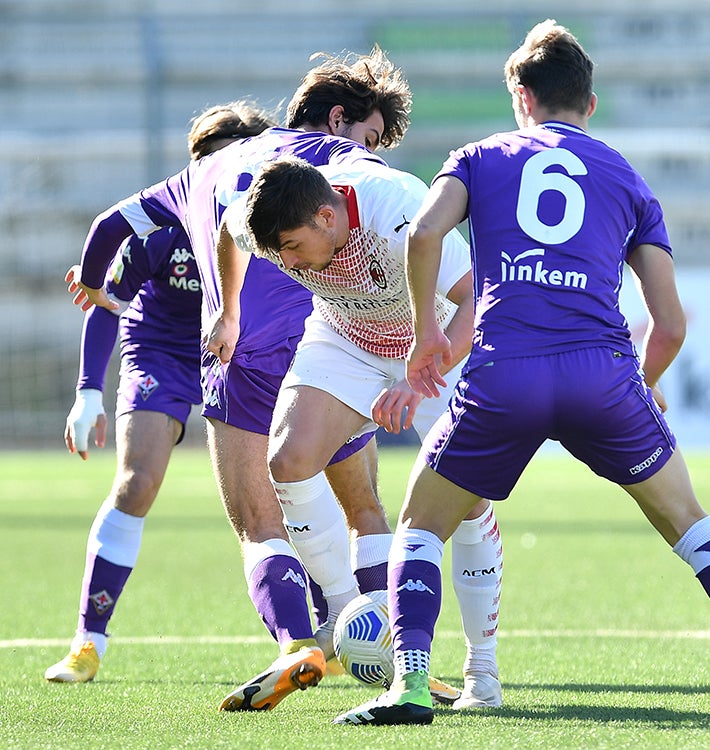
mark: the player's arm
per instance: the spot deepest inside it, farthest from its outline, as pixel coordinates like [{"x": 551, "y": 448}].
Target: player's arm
[
  {"x": 459, "y": 331},
  {"x": 232, "y": 264},
  {"x": 108, "y": 230},
  {"x": 87, "y": 413},
  {"x": 443, "y": 209},
  {"x": 98, "y": 338},
  {"x": 655, "y": 279}
]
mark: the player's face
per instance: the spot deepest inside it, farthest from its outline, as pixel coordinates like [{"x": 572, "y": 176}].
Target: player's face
[
  {"x": 367, "y": 132},
  {"x": 308, "y": 248}
]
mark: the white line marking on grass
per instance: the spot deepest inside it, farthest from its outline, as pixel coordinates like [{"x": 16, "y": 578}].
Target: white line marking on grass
[{"x": 218, "y": 640}]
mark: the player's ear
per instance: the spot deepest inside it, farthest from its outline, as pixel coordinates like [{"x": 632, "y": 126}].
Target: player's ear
[
  {"x": 336, "y": 119},
  {"x": 326, "y": 213}
]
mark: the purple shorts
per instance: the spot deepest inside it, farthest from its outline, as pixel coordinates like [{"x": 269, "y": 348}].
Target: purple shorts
[
  {"x": 243, "y": 393},
  {"x": 593, "y": 401},
  {"x": 157, "y": 381}
]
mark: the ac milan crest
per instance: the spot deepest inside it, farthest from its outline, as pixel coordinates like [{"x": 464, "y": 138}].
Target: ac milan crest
[{"x": 378, "y": 275}]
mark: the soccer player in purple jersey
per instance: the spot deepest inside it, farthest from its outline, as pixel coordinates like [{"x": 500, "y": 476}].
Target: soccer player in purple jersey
[
  {"x": 342, "y": 112},
  {"x": 553, "y": 215},
  {"x": 156, "y": 287}
]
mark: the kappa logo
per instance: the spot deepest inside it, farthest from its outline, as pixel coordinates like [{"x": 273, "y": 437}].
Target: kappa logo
[
  {"x": 417, "y": 585},
  {"x": 146, "y": 385},
  {"x": 648, "y": 462},
  {"x": 297, "y": 578},
  {"x": 181, "y": 255},
  {"x": 102, "y": 601}
]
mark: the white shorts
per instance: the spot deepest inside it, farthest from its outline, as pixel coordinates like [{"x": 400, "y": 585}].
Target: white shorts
[{"x": 329, "y": 362}]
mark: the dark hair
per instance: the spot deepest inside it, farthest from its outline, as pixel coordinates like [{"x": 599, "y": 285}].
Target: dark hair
[
  {"x": 286, "y": 194},
  {"x": 361, "y": 85},
  {"x": 554, "y": 66},
  {"x": 238, "y": 119}
]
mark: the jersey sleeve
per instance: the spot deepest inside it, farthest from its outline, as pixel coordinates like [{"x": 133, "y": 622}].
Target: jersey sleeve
[
  {"x": 128, "y": 271},
  {"x": 651, "y": 228},
  {"x": 161, "y": 205},
  {"x": 98, "y": 338},
  {"x": 140, "y": 260},
  {"x": 107, "y": 232},
  {"x": 455, "y": 261}
]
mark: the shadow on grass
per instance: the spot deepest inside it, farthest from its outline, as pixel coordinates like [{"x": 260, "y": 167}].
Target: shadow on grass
[
  {"x": 661, "y": 717},
  {"x": 656, "y": 716},
  {"x": 592, "y": 688}
]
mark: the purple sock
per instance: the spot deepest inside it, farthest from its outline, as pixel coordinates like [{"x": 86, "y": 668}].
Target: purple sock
[
  {"x": 277, "y": 586},
  {"x": 102, "y": 585},
  {"x": 320, "y": 605},
  {"x": 415, "y": 606},
  {"x": 373, "y": 578},
  {"x": 704, "y": 578}
]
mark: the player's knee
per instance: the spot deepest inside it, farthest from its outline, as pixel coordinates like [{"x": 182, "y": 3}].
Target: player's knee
[
  {"x": 135, "y": 492},
  {"x": 289, "y": 463}
]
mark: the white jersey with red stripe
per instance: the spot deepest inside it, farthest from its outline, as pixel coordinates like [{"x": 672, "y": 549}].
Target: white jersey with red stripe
[{"x": 363, "y": 293}]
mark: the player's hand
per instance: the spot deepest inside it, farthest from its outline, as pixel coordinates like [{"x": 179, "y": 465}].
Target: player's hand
[
  {"x": 426, "y": 358},
  {"x": 87, "y": 413},
  {"x": 221, "y": 338},
  {"x": 85, "y": 296},
  {"x": 394, "y": 408},
  {"x": 659, "y": 398}
]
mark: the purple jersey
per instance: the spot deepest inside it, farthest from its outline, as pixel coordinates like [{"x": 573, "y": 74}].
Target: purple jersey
[
  {"x": 273, "y": 306},
  {"x": 157, "y": 280},
  {"x": 570, "y": 210},
  {"x": 160, "y": 277}
]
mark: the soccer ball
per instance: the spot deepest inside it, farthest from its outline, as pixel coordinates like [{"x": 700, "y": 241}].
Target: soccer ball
[{"x": 362, "y": 639}]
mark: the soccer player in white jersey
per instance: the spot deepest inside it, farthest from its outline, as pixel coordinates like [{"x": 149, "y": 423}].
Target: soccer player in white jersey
[
  {"x": 553, "y": 214},
  {"x": 340, "y": 232}
]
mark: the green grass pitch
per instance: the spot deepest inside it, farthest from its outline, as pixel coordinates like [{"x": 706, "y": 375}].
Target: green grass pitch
[{"x": 604, "y": 633}]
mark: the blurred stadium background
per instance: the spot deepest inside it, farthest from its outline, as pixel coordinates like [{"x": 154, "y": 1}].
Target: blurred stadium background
[{"x": 97, "y": 96}]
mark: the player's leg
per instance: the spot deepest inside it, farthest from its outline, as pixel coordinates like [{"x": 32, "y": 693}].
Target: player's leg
[
  {"x": 476, "y": 573},
  {"x": 354, "y": 482},
  {"x": 144, "y": 442},
  {"x": 275, "y": 577},
  {"x": 618, "y": 430},
  {"x": 668, "y": 501},
  {"x": 243, "y": 398},
  {"x": 325, "y": 398},
  {"x": 307, "y": 426},
  {"x": 414, "y": 585}
]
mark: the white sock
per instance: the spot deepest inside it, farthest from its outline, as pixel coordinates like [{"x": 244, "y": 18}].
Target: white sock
[
  {"x": 316, "y": 527},
  {"x": 116, "y": 536},
  {"x": 255, "y": 552},
  {"x": 693, "y": 547},
  {"x": 100, "y": 641},
  {"x": 370, "y": 550},
  {"x": 476, "y": 570}
]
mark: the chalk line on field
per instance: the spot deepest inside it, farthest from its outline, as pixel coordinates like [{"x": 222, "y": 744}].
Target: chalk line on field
[{"x": 170, "y": 640}]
